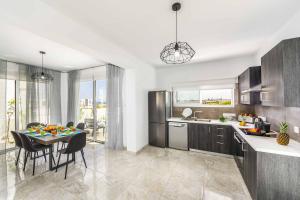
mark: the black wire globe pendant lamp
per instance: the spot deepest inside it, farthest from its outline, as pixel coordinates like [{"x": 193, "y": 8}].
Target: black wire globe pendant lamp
[
  {"x": 42, "y": 76},
  {"x": 177, "y": 52}
]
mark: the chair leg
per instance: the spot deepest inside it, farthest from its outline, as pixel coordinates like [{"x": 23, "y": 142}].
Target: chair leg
[
  {"x": 53, "y": 160},
  {"x": 67, "y": 166},
  {"x": 57, "y": 149},
  {"x": 58, "y": 161},
  {"x": 74, "y": 156},
  {"x": 18, "y": 156},
  {"x": 34, "y": 156},
  {"x": 82, "y": 154},
  {"x": 25, "y": 160},
  {"x": 44, "y": 155}
]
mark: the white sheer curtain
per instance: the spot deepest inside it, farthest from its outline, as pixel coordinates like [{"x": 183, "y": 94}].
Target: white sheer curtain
[
  {"x": 114, "y": 99},
  {"x": 73, "y": 96},
  {"x": 3, "y": 131},
  {"x": 43, "y": 98}
]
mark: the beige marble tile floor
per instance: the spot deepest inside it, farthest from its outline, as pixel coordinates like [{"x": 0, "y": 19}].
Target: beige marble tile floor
[{"x": 154, "y": 173}]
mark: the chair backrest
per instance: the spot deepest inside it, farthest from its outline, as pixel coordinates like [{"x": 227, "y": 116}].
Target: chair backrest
[
  {"x": 33, "y": 124},
  {"x": 76, "y": 142},
  {"x": 80, "y": 126},
  {"x": 17, "y": 139},
  {"x": 69, "y": 124},
  {"x": 26, "y": 143},
  {"x": 89, "y": 123}
]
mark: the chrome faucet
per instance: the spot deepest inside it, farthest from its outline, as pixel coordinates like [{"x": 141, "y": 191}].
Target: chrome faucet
[{"x": 199, "y": 111}]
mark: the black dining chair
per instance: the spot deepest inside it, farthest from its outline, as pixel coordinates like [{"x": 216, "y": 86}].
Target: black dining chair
[
  {"x": 32, "y": 147},
  {"x": 18, "y": 143},
  {"x": 69, "y": 124},
  {"x": 76, "y": 143},
  {"x": 80, "y": 126},
  {"x": 32, "y": 124}
]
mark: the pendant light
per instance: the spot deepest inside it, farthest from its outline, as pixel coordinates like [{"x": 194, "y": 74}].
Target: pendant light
[
  {"x": 42, "y": 76},
  {"x": 177, "y": 52}
]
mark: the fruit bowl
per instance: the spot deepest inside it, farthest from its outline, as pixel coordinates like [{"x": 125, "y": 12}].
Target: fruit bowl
[{"x": 254, "y": 131}]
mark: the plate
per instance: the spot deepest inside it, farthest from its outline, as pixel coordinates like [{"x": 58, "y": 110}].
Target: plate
[{"x": 187, "y": 112}]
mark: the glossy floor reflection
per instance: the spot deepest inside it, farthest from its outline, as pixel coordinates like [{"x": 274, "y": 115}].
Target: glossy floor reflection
[{"x": 154, "y": 173}]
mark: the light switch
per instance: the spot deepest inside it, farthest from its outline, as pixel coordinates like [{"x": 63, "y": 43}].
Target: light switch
[{"x": 296, "y": 129}]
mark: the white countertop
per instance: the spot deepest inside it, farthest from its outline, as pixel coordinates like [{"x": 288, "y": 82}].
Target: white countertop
[{"x": 258, "y": 143}]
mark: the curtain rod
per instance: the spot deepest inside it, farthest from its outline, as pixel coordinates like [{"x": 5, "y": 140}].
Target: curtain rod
[{"x": 90, "y": 67}]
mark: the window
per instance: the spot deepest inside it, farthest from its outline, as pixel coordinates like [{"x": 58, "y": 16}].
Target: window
[{"x": 215, "y": 97}]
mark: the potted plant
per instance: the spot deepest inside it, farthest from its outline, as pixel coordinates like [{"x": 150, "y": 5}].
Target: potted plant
[{"x": 283, "y": 138}]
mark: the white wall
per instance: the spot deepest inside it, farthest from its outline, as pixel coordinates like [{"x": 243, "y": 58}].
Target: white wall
[
  {"x": 217, "y": 69},
  {"x": 290, "y": 30},
  {"x": 137, "y": 84}
]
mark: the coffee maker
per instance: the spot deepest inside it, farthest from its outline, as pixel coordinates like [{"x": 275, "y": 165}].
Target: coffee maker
[{"x": 262, "y": 125}]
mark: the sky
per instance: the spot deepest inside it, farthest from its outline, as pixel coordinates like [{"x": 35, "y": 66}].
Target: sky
[{"x": 86, "y": 89}]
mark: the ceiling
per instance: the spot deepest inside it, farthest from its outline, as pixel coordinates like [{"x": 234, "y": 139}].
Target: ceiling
[
  {"x": 215, "y": 29},
  {"x": 81, "y": 34},
  {"x": 22, "y": 46}
]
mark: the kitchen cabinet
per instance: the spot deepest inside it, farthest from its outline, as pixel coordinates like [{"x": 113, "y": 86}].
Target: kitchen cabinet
[
  {"x": 250, "y": 169},
  {"x": 214, "y": 138},
  {"x": 280, "y": 69},
  {"x": 222, "y": 139},
  {"x": 199, "y": 136},
  {"x": 247, "y": 80}
]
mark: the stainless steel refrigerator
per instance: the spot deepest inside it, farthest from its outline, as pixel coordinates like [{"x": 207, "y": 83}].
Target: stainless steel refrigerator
[{"x": 159, "y": 109}]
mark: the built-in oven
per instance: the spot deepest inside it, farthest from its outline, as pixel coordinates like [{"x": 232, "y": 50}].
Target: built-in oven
[{"x": 239, "y": 144}]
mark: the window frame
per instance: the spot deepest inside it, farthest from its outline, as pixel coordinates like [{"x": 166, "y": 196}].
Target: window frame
[{"x": 199, "y": 104}]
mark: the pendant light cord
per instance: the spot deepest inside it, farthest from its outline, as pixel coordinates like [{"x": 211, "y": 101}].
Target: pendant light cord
[
  {"x": 176, "y": 27},
  {"x": 42, "y": 62}
]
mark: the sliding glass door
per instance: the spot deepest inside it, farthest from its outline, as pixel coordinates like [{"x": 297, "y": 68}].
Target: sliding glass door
[
  {"x": 93, "y": 108},
  {"x": 100, "y": 110},
  {"x": 8, "y": 114}
]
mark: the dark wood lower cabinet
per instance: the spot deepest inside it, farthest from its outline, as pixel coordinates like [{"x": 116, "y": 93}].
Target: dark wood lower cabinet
[
  {"x": 222, "y": 139},
  {"x": 267, "y": 176},
  {"x": 215, "y": 138},
  {"x": 199, "y": 137},
  {"x": 250, "y": 169}
]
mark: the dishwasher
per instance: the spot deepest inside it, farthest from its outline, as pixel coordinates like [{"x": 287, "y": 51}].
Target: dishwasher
[{"x": 178, "y": 135}]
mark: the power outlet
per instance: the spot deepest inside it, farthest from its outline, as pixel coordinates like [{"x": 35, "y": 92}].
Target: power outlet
[{"x": 296, "y": 129}]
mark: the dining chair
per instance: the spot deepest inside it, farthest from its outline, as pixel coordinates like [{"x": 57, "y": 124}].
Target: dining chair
[
  {"x": 80, "y": 126},
  {"x": 33, "y": 124},
  {"x": 69, "y": 124},
  {"x": 32, "y": 147},
  {"x": 76, "y": 143},
  {"x": 18, "y": 144}
]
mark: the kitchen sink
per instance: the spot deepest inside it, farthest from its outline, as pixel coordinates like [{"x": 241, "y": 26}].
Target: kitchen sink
[
  {"x": 199, "y": 119},
  {"x": 202, "y": 120}
]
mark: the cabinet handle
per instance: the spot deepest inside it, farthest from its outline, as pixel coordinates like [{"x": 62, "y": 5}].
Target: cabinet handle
[
  {"x": 209, "y": 129},
  {"x": 243, "y": 149},
  {"x": 220, "y": 128},
  {"x": 220, "y": 135},
  {"x": 220, "y": 142}
]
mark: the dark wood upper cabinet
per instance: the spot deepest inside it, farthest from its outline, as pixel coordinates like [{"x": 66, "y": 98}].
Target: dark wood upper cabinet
[
  {"x": 247, "y": 80},
  {"x": 280, "y": 75}
]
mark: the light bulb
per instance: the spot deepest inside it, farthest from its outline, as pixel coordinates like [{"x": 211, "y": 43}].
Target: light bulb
[{"x": 176, "y": 54}]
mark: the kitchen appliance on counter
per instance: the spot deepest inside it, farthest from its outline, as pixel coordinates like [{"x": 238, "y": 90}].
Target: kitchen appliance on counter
[
  {"x": 159, "y": 109},
  {"x": 262, "y": 125},
  {"x": 178, "y": 135},
  {"x": 248, "y": 118}
]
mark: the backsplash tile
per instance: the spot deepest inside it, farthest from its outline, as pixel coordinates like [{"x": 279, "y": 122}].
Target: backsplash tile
[
  {"x": 275, "y": 115},
  {"x": 214, "y": 113}
]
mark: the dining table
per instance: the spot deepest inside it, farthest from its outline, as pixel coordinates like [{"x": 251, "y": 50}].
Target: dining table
[{"x": 49, "y": 140}]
